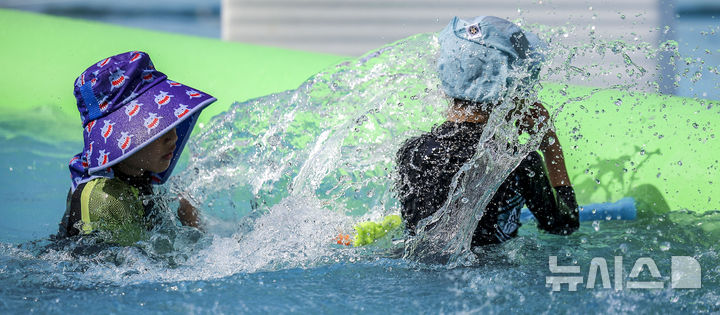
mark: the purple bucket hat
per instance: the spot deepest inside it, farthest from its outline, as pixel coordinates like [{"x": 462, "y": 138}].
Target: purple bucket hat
[{"x": 125, "y": 104}]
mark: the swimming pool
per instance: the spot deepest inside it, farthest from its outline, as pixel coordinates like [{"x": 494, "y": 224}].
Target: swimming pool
[{"x": 278, "y": 176}]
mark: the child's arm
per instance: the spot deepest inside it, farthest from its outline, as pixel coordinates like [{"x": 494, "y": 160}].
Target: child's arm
[
  {"x": 550, "y": 145},
  {"x": 554, "y": 160},
  {"x": 554, "y": 208},
  {"x": 188, "y": 214}
]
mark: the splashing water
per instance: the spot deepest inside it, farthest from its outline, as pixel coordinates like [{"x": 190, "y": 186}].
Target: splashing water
[
  {"x": 331, "y": 143},
  {"x": 334, "y": 139}
]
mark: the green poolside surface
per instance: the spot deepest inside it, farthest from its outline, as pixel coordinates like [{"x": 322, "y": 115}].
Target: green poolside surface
[
  {"x": 661, "y": 150},
  {"x": 42, "y": 56}
]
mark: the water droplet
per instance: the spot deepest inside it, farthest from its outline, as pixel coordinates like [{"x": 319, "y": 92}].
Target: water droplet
[
  {"x": 695, "y": 125},
  {"x": 642, "y": 151},
  {"x": 622, "y": 16},
  {"x": 618, "y": 102},
  {"x": 624, "y": 247},
  {"x": 464, "y": 200},
  {"x": 665, "y": 246},
  {"x": 680, "y": 163},
  {"x": 596, "y": 226}
]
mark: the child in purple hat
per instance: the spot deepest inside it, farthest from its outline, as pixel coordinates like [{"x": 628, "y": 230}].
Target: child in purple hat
[{"x": 136, "y": 123}]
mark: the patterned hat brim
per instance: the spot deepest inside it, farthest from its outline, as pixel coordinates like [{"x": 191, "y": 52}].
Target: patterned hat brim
[{"x": 166, "y": 105}]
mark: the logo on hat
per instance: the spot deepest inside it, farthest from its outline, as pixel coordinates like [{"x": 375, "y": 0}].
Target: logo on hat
[
  {"x": 132, "y": 109},
  {"x": 104, "y": 62},
  {"x": 93, "y": 81},
  {"x": 181, "y": 111},
  {"x": 90, "y": 126},
  {"x": 124, "y": 141},
  {"x": 162, "y": 99},
  {"x": 473, "y": 31},
  {"x": 103, "y": 158},
  {"x": 117, "y": 79},
  {"x": 193, "y": 93},
  {"x": 173, "y": 83},
  {"x": 152, "y": 121},
  {"x": 107, "y": 129}
]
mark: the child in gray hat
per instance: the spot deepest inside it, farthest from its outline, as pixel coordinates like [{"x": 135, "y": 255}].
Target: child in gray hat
[{"x": 484, "y": 62}]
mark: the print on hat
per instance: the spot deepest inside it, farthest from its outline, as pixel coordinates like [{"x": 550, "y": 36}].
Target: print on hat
[
  {"x": 88, "y": 154},
  {"x": 181, "y": 111},
  {"x": 135, "y": 56},
  {"x": 132, "y": 109},
  {"x": 90, "y": 126},
  {"x": 103, "y": 158},
  {"x": 80, "y": 80},
  {"x": 107, "y": 129},
  {"x": 130, "y": 97},
  {"x": 163, "y": 98},
  {"x": 117, "y": 79},
  {"x": 193, "y": 93},
  {"x": 124, "y": 141},
  {"x": 152, "y": 121},
  {"x": 104, "y": 62},
  {"x": 104, "y": 103},
  {"x": 148, "y": 75},
  {"x": 173, "y": 83}
]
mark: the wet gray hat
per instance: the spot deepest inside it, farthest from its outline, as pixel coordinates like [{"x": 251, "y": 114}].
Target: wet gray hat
[{"x": 481, "y": 58}]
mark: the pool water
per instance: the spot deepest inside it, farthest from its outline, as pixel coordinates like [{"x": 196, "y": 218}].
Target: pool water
[{"x": 277, "y": 177}]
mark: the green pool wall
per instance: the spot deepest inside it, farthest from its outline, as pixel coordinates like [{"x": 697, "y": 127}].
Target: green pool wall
[
  {"x": 662, "y": 150},
  {"x": 42, "y": 56}
]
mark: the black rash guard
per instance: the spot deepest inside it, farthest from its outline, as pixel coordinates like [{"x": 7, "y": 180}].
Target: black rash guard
[{"x": 427, "y": 164}]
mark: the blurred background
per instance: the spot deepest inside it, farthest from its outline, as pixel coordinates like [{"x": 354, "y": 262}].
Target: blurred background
[{"x": 354, "y": 27}]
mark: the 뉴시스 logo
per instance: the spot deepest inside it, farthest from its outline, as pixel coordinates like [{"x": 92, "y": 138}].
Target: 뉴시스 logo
[{"x": 685, "y": 273}]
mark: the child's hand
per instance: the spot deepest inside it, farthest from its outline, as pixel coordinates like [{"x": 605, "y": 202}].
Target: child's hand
[
  {"x": 534, "y": 119},
  {"x": 188, "y": 214}
]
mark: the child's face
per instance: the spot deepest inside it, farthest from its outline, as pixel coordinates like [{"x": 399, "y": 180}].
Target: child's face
[{"x": 155, "y": 157}]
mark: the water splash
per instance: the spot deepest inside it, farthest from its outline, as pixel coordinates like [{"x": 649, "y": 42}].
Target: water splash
[{"x": 332, "y": 141}]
